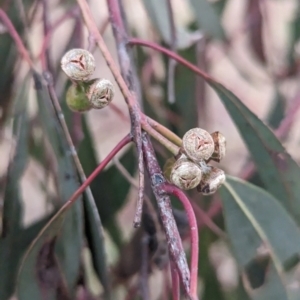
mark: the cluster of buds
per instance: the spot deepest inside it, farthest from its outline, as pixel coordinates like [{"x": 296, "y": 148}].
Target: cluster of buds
[
  {"x": 191, "y": 169},
  {"x": 85, "y": 94}
]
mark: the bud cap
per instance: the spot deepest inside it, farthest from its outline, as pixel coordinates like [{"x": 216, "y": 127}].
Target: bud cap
[
  {"x": 185, "y": 174},
  {"x": 220, "y": 146},
  {"x": 100, "y": 93},
  {"x": 198, "y": 144},
  {"x": 211, "y": 181},
  {"x": 78, "y": 64}
]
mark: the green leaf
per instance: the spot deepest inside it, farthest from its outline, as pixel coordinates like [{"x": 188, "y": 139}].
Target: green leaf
[
  {"x": 260, "y": 228},
  {"x": 93, "y": 230},
  {"x": 208, "y": 19},
  {"x": 212, "y": 287},
  {"x": 94, "y": 234},
  {"x": 278, "y": 171},
  {"x": 185, "y": 91},
  {"x": 159, "y": 14},
  {"x": 59, "y": 244},
  {"x": 277, "y": 111},
  {"x": 108, "y": 200},
  {"x": 294, "y": 38}
]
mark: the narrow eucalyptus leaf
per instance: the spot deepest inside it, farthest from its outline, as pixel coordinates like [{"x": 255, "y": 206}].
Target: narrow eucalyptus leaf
[{"x": 278, "y": 171}]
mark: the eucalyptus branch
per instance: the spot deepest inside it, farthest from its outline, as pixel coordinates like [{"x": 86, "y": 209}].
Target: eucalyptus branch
[
  {"x": 170, "y": 135},
  {"x": 129, "y": 97},
  {"x": 175, "y": 282},
  {"x": 161, "y": 139},
  {"x": 165, "y": 209}
]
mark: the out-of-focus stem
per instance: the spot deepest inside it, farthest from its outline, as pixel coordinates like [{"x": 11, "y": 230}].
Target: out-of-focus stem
[
  {"x": 171, "y": 136},
  {"x": 172, "y": 63},
  {"x": 14, "y": 34},
  {"x": 161, "y": 139}
]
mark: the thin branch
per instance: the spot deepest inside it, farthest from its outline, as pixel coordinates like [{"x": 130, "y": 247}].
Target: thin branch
[
  {"x": 180, "y": 195},
  {"x": 133, "y": 182},
  {"x": 172, "y": 63},
  {"x": 170, "y": 135},
  {"x": 161, "y": 139},
  {"x": 73, "y": 12},
  {"x": 165, "y": 209},
  {"x": 126, "y": 140},
  {"x": 175, "y": 282},
  {"x": 130, "y": 97},
  {"x": 178, "y": 58},
  {"x": 144, "y": 285},
  {"x": 14, "y": 34},
  {"x": 203, "y": 218},
  {"x": 119, "y": 30}
]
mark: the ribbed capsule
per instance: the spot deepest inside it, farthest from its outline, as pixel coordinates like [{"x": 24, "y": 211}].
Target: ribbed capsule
[
  {"x": 220, "y": 146},
  {"x": 211, "y": 181},
  {"x": 100, "y": 93},
  {"x": 78, "y": 64},
  {"x": 185, "y": 174},
  {"x": 76, "y": 99},
  {"x": 198, "y": 144}
]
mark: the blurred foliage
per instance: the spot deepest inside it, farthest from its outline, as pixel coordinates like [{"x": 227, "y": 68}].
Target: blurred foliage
[{"x": 260, "y": 214}]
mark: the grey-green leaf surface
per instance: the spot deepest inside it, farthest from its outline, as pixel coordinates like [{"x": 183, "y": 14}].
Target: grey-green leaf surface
[
  {"x": 94, "y": 234},
  {"x": 93, "y": 223},
  {"x": 278, "y": 171},
  {"x": 10, "y": 254},
  {"x": 60, "y": 243},
  {"x": 158, "y": 13},
  {"x": 208, "y": 19},
  {"x": 259, "y": 226}
]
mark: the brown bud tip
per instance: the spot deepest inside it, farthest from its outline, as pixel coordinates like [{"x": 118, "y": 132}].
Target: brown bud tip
[
  {"x": 220, "y": 146},
  {"x": 211, "y": 181},
  {"x": 198, "y": 144},
  {"x": 100, "y": 93},
  {"x": 78, "y": 64},
  {"x": 185, "y": 174}
]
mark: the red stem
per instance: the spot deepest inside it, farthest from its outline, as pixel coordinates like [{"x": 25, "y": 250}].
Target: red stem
[
  {"x": 126, "y": 140},
  {"x": 15, "y": 36},
  {"x": 171, "y": 189},
  {"x": 171, "y": 54}
]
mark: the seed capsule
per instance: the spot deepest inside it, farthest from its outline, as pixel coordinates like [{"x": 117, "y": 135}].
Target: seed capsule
[
  {"x": 185, "y": 174},
  {"x": 211, "y": 181},
  {"x": 78, "y": 64},
  {"x": 100, "y": 93},
  {"x": 220, "y": 146},
  {"x": 77, "y": 99},
  {"x": 198, "y": 144}
]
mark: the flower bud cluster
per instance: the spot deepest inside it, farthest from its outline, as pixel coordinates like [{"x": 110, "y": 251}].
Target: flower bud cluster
[
  {"x": 191, "y": 170},
  {"x": 85, "y": 94}
]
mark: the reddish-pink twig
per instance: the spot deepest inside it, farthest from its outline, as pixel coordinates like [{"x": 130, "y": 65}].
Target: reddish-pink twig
[
  {"x": 127, "y": 139},
  {"x": 171, "y": 54},
  {"x": 204, "y": 219},
  {"x": 171, "y": 189},
  {"x": 14, "y": 34}
]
